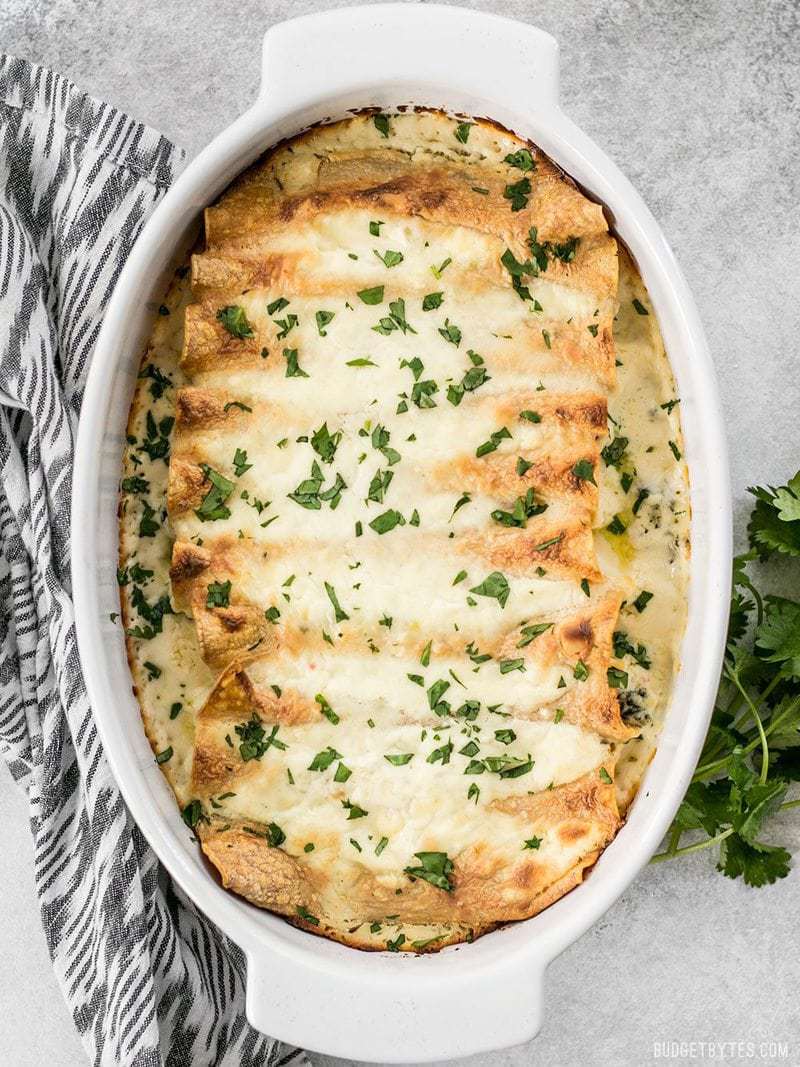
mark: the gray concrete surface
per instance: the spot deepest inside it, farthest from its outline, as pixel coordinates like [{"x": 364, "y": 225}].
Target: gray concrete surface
[{"x": 698, "y": 103}]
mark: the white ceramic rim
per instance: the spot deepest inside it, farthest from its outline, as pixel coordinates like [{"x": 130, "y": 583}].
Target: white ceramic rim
[{"x": 379, "y": 1006}]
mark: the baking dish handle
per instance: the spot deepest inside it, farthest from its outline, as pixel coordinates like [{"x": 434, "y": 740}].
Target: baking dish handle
[
  {"x": 396, "y": 1008},
  {"x": 385, "y": 53}
]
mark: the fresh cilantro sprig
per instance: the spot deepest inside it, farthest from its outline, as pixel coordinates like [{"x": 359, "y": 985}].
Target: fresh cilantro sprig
[{"x": 751, "y": 755}]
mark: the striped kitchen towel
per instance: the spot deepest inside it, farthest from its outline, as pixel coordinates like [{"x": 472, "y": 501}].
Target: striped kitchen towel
[{"x": 147, "y": 978}]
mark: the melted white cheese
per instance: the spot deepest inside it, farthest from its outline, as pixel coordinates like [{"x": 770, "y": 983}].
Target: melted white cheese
[{"x": 416, "y": 589}]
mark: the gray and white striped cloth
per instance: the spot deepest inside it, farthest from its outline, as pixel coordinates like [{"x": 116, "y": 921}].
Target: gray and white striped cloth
[{"x": 148, "y": 979}]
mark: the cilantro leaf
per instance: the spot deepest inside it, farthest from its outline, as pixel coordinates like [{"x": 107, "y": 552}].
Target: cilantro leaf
[
  {"x": 779, "y": 634},
  {"x": 758, "y": 866},
  {"x": 775, "y": 522},
  {"x": 751, "y": 753}
]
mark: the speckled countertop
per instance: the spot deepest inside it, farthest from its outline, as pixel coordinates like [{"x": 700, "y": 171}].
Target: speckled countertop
[{"x": 698, "y": 103}]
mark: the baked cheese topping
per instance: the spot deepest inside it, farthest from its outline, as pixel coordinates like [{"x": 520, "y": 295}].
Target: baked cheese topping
[{"x": 404, "y": 530}]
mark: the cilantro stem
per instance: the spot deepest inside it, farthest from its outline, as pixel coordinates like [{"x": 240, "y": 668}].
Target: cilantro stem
[
  {"x": 674, "y": 840},
  {"x": 760, "y": 726},
  {"x": 707, "y": 769},
  {"x": 764, "y": 696},
  {"x": 699, "y": 846},
  {"x": 709, "y": 841}
]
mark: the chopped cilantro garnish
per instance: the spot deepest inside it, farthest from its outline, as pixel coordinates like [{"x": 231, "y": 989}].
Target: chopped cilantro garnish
[
  {"x": 493, "y": 443},
  {"x": 235, "y": 321},
  {"x": 439, "y": 271},
  {"x": 642, "y": 495},
  {"x": 508, "y": 665},
  {"x": 148, "y": 527},
  {"x": 213, "y": 506},
  {"x": 580, "y": 671},
  {"x": 451, "y": 332},
  {"x": 193, "y": 813},
  {"x": 240, "y": 464},
  {"x": 306, "y": 915},
  {"x": 325, "y": 443},
  {"x": 614, "y": 452},
  {"x": 518, "y": 193},
  {"x": 339, "y": 613},
  {"x": 354, "y": 811},
  {"x": 293, "y": 368},
  {"x": 494, "y": 586},
  {"x": 371, "y": 296},
  {"x": 387, "y": 521},
  {"x": 509, "y": 766},
  {"x": 310, "y": 494},
  {"x": 642, "y": 600},
  {"x": 286, "y": 326},
  {"x": 134, "y": 484},
  {"x": 521, "y": 159},
  {"x": 529, "y": 633},
  {"x": 254, "y": 740},
  {"x": 389, "y": 258},
  {"x": 323, "y": 760},
  {"x": 617, "y": 679},
  {"x": 549, "y": 543},
  {"x": 525, "y": 507},
  {"x": 584, "y": 471},
  {"x": 435, "y": 868},
  {"x": 323, "y": 319},
  {"x": 616, "y": 526},
  {"x": 159, "y": 382},
  {"x": 465, "y": 498},
  {"x": 381, "y": 123},
  {"x": 218, "y": 595}
]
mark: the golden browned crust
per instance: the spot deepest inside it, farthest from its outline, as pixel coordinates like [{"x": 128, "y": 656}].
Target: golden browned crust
[
  {"x": 248, "y": 866},
  {"x": 382, "y": 180},
  {"x": 582, "y": 815}
]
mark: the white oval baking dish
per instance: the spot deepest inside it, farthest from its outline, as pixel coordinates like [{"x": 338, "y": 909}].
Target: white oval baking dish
[{"x": 381, "y": 1006}]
